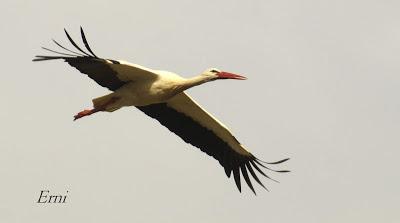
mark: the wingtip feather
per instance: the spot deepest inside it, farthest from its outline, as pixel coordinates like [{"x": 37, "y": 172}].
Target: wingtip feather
[
  {"x": 260, "y": 171},
  {"x": 255, "y": 176},
  {"x": 247, "y": 178},
  {"x": 236, "y": 176},
  {"x": 74, "y": 44},
  {"x": 85, "y": 42},
  {"x": 277, "y": 162}
]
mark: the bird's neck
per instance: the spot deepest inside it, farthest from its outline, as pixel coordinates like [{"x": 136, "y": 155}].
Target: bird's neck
[{"x": 194, "y": 81}]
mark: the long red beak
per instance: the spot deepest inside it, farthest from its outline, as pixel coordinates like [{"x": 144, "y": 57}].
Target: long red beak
[{"x": 226, "y": 75}]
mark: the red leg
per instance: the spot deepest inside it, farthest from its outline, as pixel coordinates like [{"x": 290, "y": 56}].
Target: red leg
[
  {"x": 94, "y": 110},
  {"x": 85, "y": 113}
]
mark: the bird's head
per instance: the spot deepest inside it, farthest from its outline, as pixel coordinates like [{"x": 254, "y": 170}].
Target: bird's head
[{"x": 216, "y": 74}]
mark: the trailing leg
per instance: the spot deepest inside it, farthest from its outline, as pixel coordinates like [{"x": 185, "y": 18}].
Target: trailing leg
[{"x": 97, "y": 107}]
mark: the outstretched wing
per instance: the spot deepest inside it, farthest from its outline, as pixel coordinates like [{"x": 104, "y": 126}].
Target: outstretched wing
[
  {"x": 108, "y": 73},
  {"x": 183, "y": 116}
]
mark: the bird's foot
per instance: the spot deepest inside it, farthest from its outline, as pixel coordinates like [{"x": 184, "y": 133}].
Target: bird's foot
[
  {"x": 97, "y": 108},
  {"x": 83, "y": 114}
]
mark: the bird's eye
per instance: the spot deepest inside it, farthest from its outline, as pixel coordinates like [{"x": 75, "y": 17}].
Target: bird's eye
[{"x": 214, "y": 71}]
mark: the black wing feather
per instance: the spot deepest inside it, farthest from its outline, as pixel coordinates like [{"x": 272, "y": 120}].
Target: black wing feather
[
  {"x": 248, "y": 165},
  {"x": 75, "y": 45},
  {"x": 53, "y": 51},
  {"x": 236, "y": 176},
  {"x": 246, "y": 177},
  {"x": 96, "y": 68},
  {"x": 58, "y": 44},
  {"x": 192, "y": 132},
  {"x": 86, "y": 43}
]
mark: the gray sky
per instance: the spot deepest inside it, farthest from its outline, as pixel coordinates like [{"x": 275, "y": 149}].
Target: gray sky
[{"x": 323, "y": 89}]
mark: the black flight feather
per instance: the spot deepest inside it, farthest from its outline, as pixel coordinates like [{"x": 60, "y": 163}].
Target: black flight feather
[
  {"x": 77, "y": 54},
  {"x": 260, "y": 171},
  {"x": 248, "y": 165},
  {"x": 207, "y": 141},
  {"x": 236, "y": 176},
  {"x": 96, "y": 68},
  {"x": 86, "y": 43},
  {"x": 75, "y": 45},
  {"x": 246, "y": 177},
  {"x": 277, "y": 162},
  {"x": 66, "y": 54}
]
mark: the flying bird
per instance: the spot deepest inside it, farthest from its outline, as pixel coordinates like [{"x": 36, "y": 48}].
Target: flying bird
[{"x": 161, "y": 95}]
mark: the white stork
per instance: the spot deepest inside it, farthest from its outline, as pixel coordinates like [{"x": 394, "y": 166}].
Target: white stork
[{"x": 160, "y": 95}]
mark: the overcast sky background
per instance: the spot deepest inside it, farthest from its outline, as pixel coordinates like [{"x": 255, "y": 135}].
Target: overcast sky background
[{"x": 323, "y": 89}]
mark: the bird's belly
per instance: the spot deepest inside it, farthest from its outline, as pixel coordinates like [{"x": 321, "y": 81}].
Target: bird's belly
[{"x": 144, "y": 95}]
